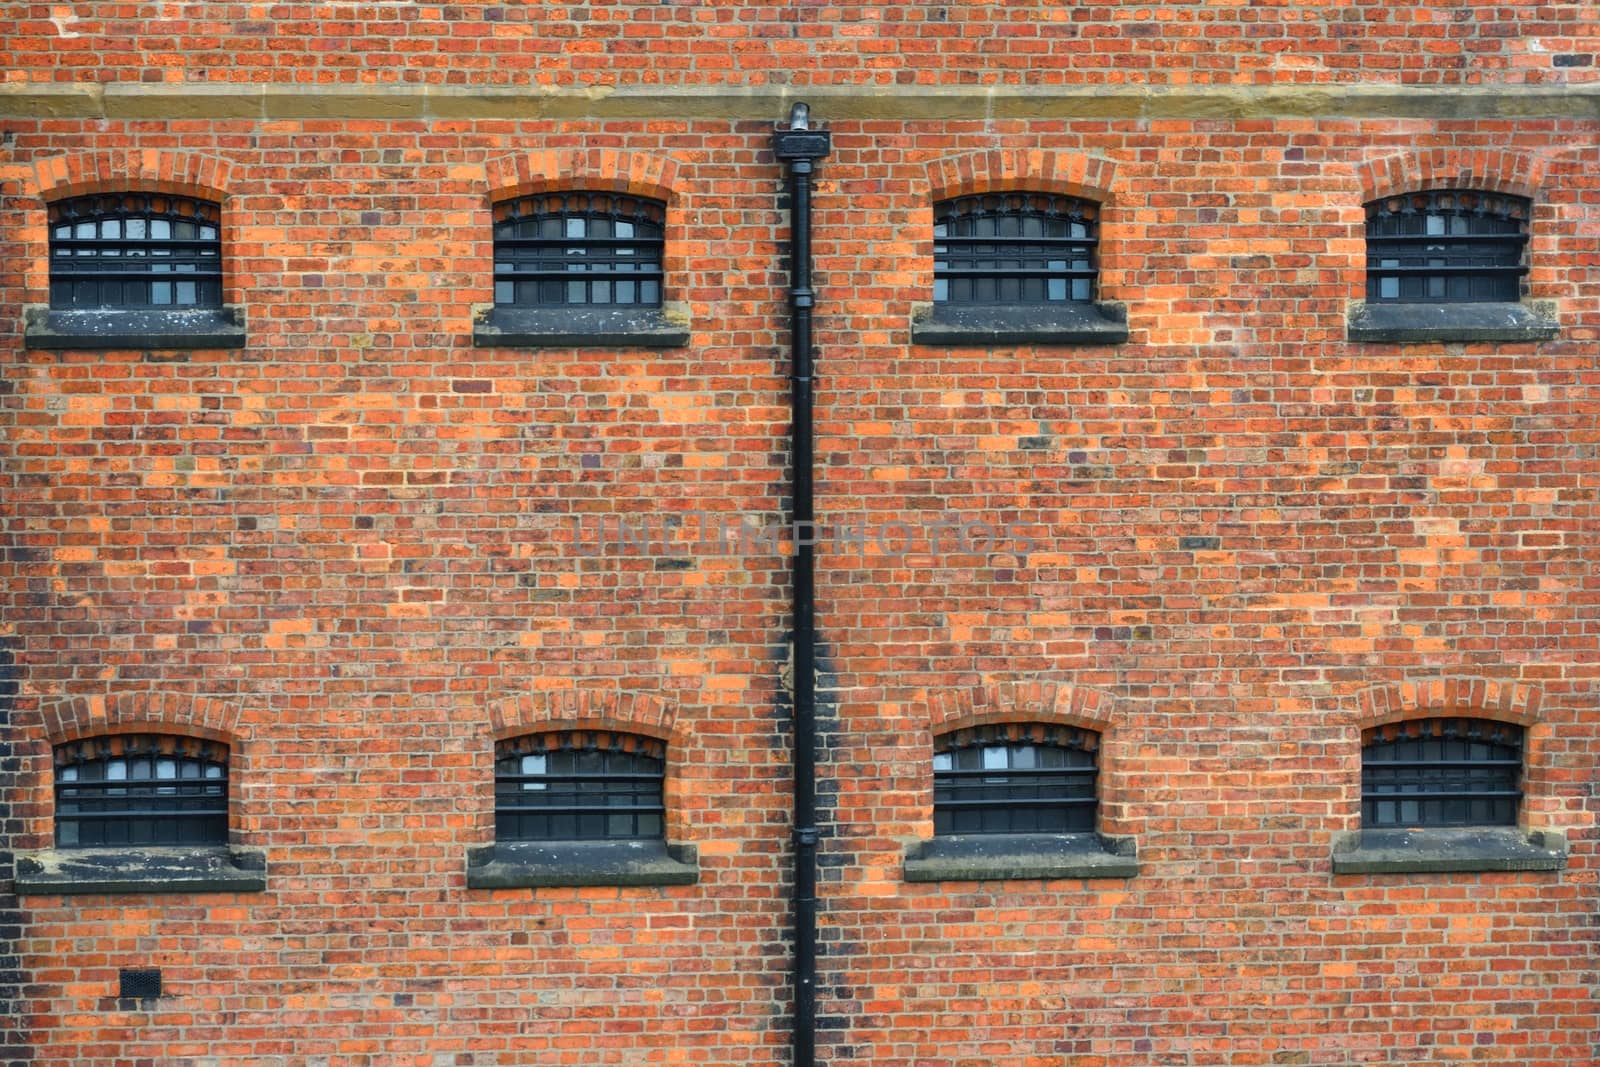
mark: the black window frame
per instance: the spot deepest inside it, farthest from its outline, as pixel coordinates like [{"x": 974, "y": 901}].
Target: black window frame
[
  {"x": 534, "y": 270},
  {"x": 119, "y": 268},
  {"x": 974, "y": 270},
  {"x": 986, "y": 799},
  {"x": 1474, "y": 242},
  {"x": 153, "y": 811},
  {"x": 626, "y": 789},
  {"x": 1472, "y": 776}
]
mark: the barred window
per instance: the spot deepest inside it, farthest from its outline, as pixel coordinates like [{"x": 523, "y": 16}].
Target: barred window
[
  {"x": 135, "y": 250},
  {"x": 1446, "y": 246},
  {"x": 141, "y": 789},
  {"x": 1441, "y": 772},
  {"x": 1015, "y": 778},
  {"x": 1015, "y": 248},
  {"x": 578, "y": 249},
  {"x": 579, "y": 785}
]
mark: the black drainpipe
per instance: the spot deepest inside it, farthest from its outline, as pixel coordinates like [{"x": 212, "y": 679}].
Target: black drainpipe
[{"x": 800, "y": 147}]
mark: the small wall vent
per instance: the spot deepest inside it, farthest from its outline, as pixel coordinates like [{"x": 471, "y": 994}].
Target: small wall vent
[{"x": 138, "y": 983}]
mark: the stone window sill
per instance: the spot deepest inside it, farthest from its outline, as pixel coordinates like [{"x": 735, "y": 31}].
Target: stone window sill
[
  {"x": 524, "y": 864},
  {"x": 60, "y": 329},
  {"x": 1532, "y": 321},
  {"x": 1057, "y": 324},
  {"x": 1470, "y": 848},
  {"x": 587, "y": 327},
  {"x": 993, "y": 857},
  {"x": 68, "y": 872}
]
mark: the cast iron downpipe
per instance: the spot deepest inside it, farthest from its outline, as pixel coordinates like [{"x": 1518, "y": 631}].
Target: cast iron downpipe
[{"x": 800, "y": 147}]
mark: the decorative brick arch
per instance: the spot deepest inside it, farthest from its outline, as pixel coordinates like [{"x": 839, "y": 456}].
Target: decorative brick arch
[
  {"x": 582, "y": 708},
  {"x": 1050, "y": 702},
  {"x": 1425, "y": 698},
  {"x": 1490, "y": 169},
  {"x": 639, "y": 173},
  {"x": 130, "y": 712},
  {"x": 150, "y": 169},
  {"x": 1057, "y": 703},
  {"x": 1479, "y": 698},
  {"x": 1090, "y": 177},
  {"x": 146, "y": 169},
  {"x": 70, "y": 718},
  {"x": 590, "y": 708}
]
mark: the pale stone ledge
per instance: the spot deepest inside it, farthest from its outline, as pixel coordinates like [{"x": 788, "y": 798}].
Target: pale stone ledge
[{"x": 132, "y": 100}]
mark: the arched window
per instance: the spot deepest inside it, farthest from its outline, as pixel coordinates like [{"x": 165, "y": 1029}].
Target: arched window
[
  {"x": 141, "y": 789},
  {"x": 1014, "y": 249},
  {"x": 579, "y": 785},
  {"x": 135, "y": 250},
  {"x": 578, "y": 249},
  {"x": 1441, "y": 772},
  {"x": 1446, "y": 246},
  {"x": 1013, "y": 778}
]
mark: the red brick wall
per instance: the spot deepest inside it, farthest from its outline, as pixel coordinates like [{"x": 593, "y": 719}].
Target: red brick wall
[{"x": 348, "y": 549}]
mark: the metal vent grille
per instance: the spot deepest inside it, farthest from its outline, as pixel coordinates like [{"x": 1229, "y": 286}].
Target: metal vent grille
[
  {"x": 1441, "y": 772},
  {"x": 1015, "y": 778},
  {"x": 138, "y": 983},
  {"x": 1446, "y": 246},
  {"x": 580, "y": 785}
]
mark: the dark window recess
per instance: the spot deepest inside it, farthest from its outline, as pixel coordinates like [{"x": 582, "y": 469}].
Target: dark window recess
[
  {"x": 578, "y": 250},
  {"x": 138, "y": 983},
  {"x": 1441, "y": 772},
  {"x": 1015, "y": 779},
  {"x": 1011, "y": 249},
  {"x": 584, "y": 785},
  {"x": 138, "y": 789},
  {"x": 1447, "y": 246},
  {"x": 135, "y": 250}
]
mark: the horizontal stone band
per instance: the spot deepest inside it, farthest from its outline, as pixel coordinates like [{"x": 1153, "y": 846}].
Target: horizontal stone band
[{"x": 130, "y": 100}]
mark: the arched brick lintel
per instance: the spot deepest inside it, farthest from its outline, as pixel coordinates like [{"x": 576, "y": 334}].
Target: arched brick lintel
[
  {"x": 585, "y": 708},
  {"x": 135, "y": 712},
  {"x": 151, "y": 169},
  {"x": 1072, "y": 174},
  {"x": 609, "y": 169},
  {"x": 1431, "y": 697},
  {"x": 1049, "y": 702},
  {"x": 1491, "y": 169}
]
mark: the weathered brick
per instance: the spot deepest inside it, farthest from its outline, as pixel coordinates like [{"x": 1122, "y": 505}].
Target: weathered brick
[{"x": 360, "y": 549}]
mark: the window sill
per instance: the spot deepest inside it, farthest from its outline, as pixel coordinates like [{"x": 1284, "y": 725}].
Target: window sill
[
  {"x": 58, "y": 329},
  {"x": 1470, "y": 848},
  {"x": 68, "y": 872},
  {"x": 1533, "y": 321},
  {"x": 629, "y": 327},
  {"x": 1062, "y": 324},
  {"x": 993, "y": 857},
  {"x": 537, "y": 864}
]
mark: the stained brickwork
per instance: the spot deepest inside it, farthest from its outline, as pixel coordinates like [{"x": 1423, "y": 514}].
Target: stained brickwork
[{"x": 360, "y": 550}]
